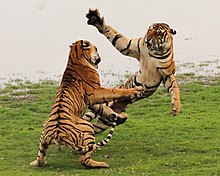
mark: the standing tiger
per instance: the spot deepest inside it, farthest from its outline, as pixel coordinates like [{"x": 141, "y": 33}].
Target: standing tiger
[
  {"x": 79, "y": 88},
  {"x": 154, "y": 52}
]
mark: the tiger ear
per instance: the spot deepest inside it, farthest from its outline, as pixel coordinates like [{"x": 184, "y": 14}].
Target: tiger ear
[
  {"x": 172, "y": 31},
  {"x": 71, "y": 45},
  {"x": 85, "y": 45}
]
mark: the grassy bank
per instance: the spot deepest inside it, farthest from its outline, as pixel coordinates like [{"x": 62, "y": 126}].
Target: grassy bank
[{"x": 151, "y": 142}]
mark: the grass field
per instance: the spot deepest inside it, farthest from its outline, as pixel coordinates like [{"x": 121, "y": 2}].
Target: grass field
[{"x": 151, "y": 142}]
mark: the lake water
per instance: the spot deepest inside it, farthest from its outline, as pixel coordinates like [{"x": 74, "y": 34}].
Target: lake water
[{"x": 203, "y": 62}]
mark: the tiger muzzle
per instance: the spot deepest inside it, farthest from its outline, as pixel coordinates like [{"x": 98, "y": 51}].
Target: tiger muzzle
[{"x": 98, "y": 61}]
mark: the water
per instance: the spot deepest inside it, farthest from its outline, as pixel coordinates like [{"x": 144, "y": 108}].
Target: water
[{"x": 116, "y": 71}]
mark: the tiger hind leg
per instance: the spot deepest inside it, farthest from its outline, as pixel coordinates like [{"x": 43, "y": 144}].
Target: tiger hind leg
[
  {"x": 40, "y": 161},
  {"x": 85, "y": 150},
  {"x": 107, "y": 116},
  {"x": 85, "y": 158}
]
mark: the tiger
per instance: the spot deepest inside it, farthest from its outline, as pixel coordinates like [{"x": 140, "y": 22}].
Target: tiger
[
  {"x": 155, "y": 54},
  {"x": 79, "y": 88}
]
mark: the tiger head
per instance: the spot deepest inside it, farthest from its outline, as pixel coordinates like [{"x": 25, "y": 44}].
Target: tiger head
[
  {"x": 159, "y": 39},
  {"x": 82, "y": 51}
]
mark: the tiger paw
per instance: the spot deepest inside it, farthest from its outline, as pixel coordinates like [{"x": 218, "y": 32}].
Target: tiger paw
[
  {"x": 95, "y": 19},
  {"x": 138, "y": 94},
  {"x": 122, "y": 117},
  {"x": 176, "y": 108},
  {"x": 38, "y": 163}
]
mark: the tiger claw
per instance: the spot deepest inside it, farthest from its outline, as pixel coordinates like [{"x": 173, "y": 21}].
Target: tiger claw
[{"x": 138, "y": 94}]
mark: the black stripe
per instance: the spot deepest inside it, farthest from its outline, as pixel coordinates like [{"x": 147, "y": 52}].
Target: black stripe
[
  {"x": 86, "y": 124},
  {"x": 102, "y": 129},
  {"x": 43, "y": 152},
  {"x": 76, "y": 51},
  {"x": 111, "y": 132},
  {"x": 86, "y": 81},
  {"x": 116, "y": 38},
  {"x": 129, "y": 44},
  {"x": 90, "y": 143},
  {"x": 108, "y": 137},
  {"x": 169, "y": 88},
  {"x": 50, "y": 141},
  {"x": 135, "y": 81},
  {"x": 100, "y": 110},
  {"x": 89, "y": 116},
  {"x": 61, "y": 100},
  {"x": 152, "y": 87},
  {"x": 86, "y": 160},
  {"x": 62, "y": 106},
  {"x": 52, "y": 134},
  {"x": 68, "y": 124},
  {"x": 70, "y": 75},
  {"x": 127, "y": 48},
  {"x": 139, "y": 50},
  {"x": 106, "y": 122},
  {"x": 165, "y": 79},
  {"x": 162, "y": 68},
  {"x": 61, "y": 111},
  {"x": 95, "y": 82},
  {"x": 171, "y": 58},
  {"x": 86, "y": 140},
  {"x": 81, "y": 41},
  {"x": 101, "y": 143},
  {"x": 160, "y": 57},
  {"x": 71, "y": 60},
  {"x": 72, "y": 134},
  {"x": 168, "y": 50}
]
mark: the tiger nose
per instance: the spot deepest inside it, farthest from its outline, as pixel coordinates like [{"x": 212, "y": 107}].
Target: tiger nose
[{"x": 159, "y": 31}]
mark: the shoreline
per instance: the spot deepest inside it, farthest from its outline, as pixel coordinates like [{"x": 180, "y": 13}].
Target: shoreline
[{"x": 112, "y": 76}]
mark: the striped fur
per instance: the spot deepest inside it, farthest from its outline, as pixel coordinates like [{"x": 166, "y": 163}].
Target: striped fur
[
  {"x": 79, "y": 88},
  {"x": 155, "y": 54}
]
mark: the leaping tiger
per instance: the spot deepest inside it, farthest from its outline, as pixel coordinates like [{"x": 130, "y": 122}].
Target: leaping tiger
[
  {"x": 155, "y": 54},
  {"x": 79, "y": 88}
]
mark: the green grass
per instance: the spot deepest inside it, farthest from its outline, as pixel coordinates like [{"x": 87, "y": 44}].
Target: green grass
[{"x": 151, "y": 142}]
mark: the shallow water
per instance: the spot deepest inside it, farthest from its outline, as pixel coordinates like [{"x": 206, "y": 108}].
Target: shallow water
[
  {"x": 114, "y": 75},
  {"x": 114, "y": 69}
]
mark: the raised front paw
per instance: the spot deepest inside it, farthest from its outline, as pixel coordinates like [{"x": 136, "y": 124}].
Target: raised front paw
[{"x": 95, "y": 19}]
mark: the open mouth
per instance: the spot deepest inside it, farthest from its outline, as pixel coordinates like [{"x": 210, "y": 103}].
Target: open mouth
[
  {"x": 152, "y": 45},
  {"x": 97, "y": 61},
  {"x": 95, "y": 64}
]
